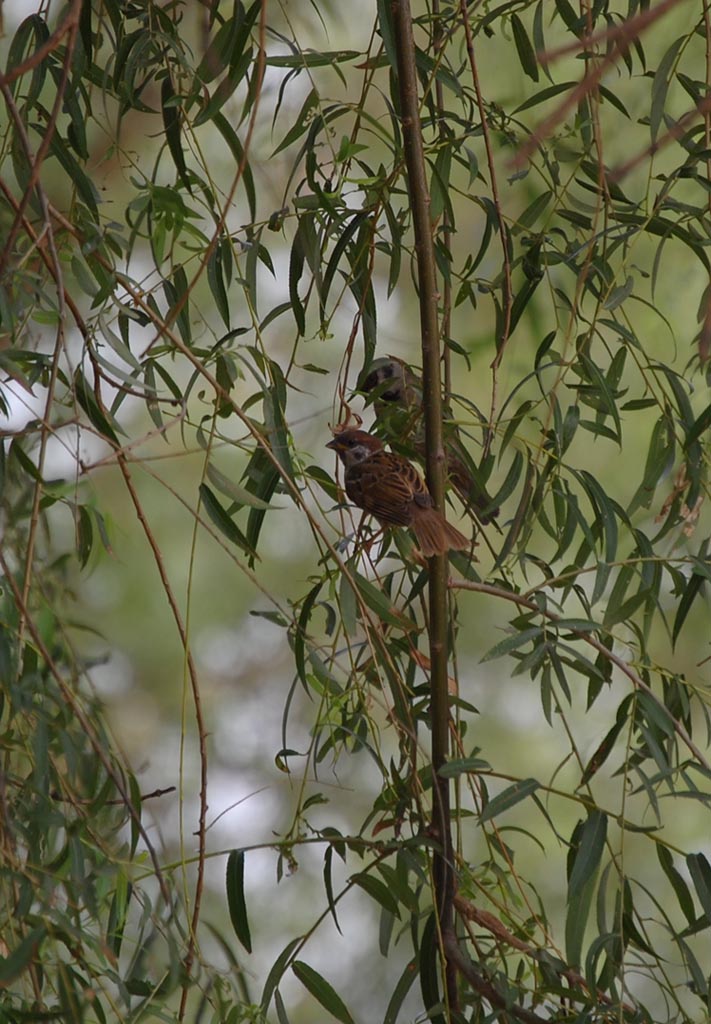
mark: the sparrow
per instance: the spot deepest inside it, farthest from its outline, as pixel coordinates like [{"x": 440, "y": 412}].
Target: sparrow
[
  {"x": 396, "y": 395},
  {"x": 389, "y": 487}
]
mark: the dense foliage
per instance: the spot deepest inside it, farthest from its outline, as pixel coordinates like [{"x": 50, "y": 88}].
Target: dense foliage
[{"x": 210, "y": 231}]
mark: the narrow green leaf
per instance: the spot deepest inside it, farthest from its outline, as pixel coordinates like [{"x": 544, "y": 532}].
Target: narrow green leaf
[
  {"x": 312, "y": 59},
  {"x": 527, "y": 219},
  {"x": 85, "y": 535},
  {"x": 511, "y": 796},
  {"x": 692, "y": 589},
  {"x": 82, "y": 182},
  {"x": 462, "y": 766},
  {"x": 378, "y": 891},
  {"x": 240, "y": 495},
  {"x": 216, "y": 282},
  {"x": 392, "y": 1013},
  {"x": 235, "y": 898},
  {"x": 526, "y": 53},
  {"x": 301, "y": 122},
  {"x": 276, "y": 973},
  {"x": 230, "y": 136},
  {"x": 586, "y": 850},
  {"x": 379, "y": 602},
  {"x": 223, "y": 521},
  {"x": 171, "y": 122},
  {"x": 512, "y": 643},
  {"x": 699, "y": 427},
  {"x": 589, "y": 847},
  {"x": 606, "y": 746},
  {"x": 328, "y": 884},
  {"x": 429, "y": 973},
  {"x": 681, "y": 889},
  {"x": 700, "y": 871},
  {"x": 87, "y": 400},
  {"x": 548, "y": 93},
  {"x": 660, "y": 85},
  {"x": 322, "y": 992},
  {"x": 19, "y": 959}
]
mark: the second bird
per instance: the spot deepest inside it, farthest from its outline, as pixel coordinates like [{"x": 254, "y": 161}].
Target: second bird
[{"x": 398, "y": 403}]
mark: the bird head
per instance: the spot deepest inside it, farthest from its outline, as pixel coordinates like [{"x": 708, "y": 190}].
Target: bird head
[
  {"x": 353, "y": 446},
  {"x": 385, "y": 381}
]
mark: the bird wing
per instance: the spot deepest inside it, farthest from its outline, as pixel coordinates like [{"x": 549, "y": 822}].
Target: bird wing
[{"x": 386, "y": 486}]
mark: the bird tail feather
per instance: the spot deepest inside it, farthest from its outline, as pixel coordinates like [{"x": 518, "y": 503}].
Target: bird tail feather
[{"x": 435, "y": 535}]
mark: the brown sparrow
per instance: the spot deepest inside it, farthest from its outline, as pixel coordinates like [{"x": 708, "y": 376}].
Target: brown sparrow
[
  {"x": 396, "y": 394},
  {"x": 389, "y": 487}
]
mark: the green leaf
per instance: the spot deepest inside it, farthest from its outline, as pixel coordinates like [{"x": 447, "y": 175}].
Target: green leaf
[
  {"x": 588, "y": 849},
  {"x": 20, "y": 958},
  {"x": 462, "y": 766},
  {"x": 545, "y": 94},
  {"x": 216, "y": 281},
  {"x": 429, "y": 973},
  {"x": 223, "y": 521},
  {"x": 378, "y": 891},
  {"x": 230, "y": 136},
  {"x": 660, "y": 457},
  {"x": 511, "y": 796},
  {"x": 276, "y": 973},
  {"x": 100, "y": 419},
  {"x": 171, "y": 122},
  {"x": 700, "y": 871},
  {"x": 240, "y": 495},
  {"x": 699, "y": 427},
  {"x": 82, "y": 182},
  {"x": 328, "y": 884},
  {"x": 691, "y": 591},
  {"x": 587, "y": 845},
  {"x": 526, "y": 53},
  {"x": 512, "y": 643},
  {"x": 312, "y": 59},
  {"x": 380, "y": 603},
  {"x": 235, "y": 898},
  {"x": 301, "y": 122},
  {"x": 320, "y": 989},
  {"x": 392, "y": 1013},
  {"x": 660, "y": 85},
  {"x": 85, "y": 535},
  {"x": 681, "y": 890},
  {"x": 606, "y": 746}
]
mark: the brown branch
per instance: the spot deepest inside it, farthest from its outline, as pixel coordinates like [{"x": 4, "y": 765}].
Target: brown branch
[
  {"x": 443, "y": 865},
  {"x": 497, "y": 928},
  {"x": 468, "y": 969}
]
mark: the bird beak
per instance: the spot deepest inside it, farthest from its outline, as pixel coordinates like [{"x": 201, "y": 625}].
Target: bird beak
[{"x": 333, "y": 443}]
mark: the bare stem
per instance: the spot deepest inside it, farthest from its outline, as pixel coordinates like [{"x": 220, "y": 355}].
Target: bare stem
[{"x": 444, "y": 882}]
